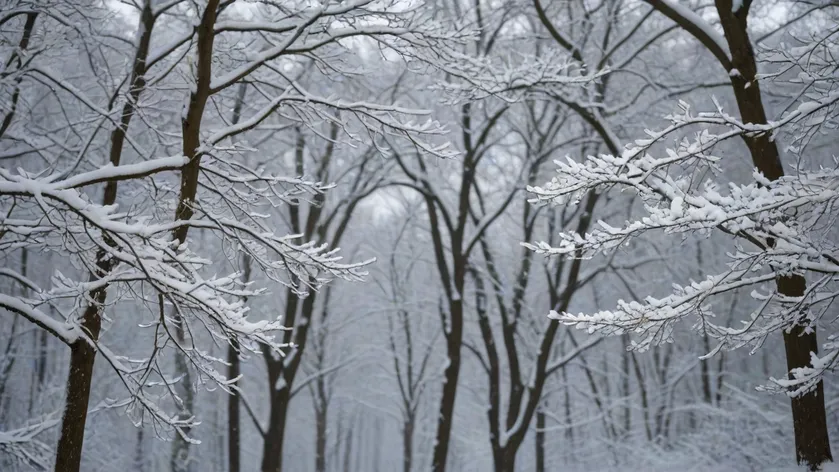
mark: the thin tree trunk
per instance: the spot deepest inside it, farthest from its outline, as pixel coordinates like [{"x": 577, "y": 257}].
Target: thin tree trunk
[
  {"x": 407, "y": 444},
  {"x": 139, "y": 455},
  {"x": 28, "y": 27},
  {"x": 320, "y": 437},
  {"x": 642, "y": 388},
  {"x": 234, "y": 370},
  {"x": 566, "y": 402},
  {"x": 627, "y": 411},
  {"x": 9, "y": 355},
  {"x": 180, "y": 460},
  {"x": 540, "y": 440},
  {"x": 191, "y": 134},
  {"x": 233, "y": 412},
  {"x": 82, "y": 352}
]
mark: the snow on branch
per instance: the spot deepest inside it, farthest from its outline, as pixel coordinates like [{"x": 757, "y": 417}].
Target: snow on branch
[
  {"x": 782, "y": 228},
  {"x": 22, "y": 446},
  {"x": 147, "y": 268},
  {"x": 512, "y": 80}
]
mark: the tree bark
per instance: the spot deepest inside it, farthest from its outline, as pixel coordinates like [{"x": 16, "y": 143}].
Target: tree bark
[{"x": 812, "y": 442}]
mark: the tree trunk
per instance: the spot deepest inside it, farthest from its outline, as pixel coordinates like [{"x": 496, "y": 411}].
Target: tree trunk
[
  {"x": 233, "y": 412},
  {"x": 625, "y": 386},
  {"x": 320, "y": 438},
  {"x": 40, "y": 373},
  {"x": 540, "y": 441},
  {"x": 180, "y": 460},
  {"x": 812, "y": 443},
  {"x": 272, "y": 448},
  {"x": 445, "y": 418},
  {"x": 508, "y": 459},
  {"x": 82, "y": 354},
  {"x": 139, "y": 455},
  {"x": 407, "y": 444}
]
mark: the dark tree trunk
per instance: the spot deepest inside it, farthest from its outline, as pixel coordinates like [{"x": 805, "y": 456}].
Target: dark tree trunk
[
  {"x": 233, "y": 411},
  {"x": 407, "y": 444},
  {"x": 320, "y": 438},
  {"x": 508, "y": 459},
  {"x": 272, "y": 448},
  {"x": 233, "y": 407},
  {"x": 445, "y": 418},
  {"x": 139, "y": 456},
  {"x": 540, "y": 441},
  {"x": 812, "y": 443},
  {"x": 82, "y": 354}
]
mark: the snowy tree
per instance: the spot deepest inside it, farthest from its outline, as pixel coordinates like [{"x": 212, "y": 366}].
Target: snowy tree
[
  {"x": 782, "y": 224},
  {"x": 127, "y": 244}
]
